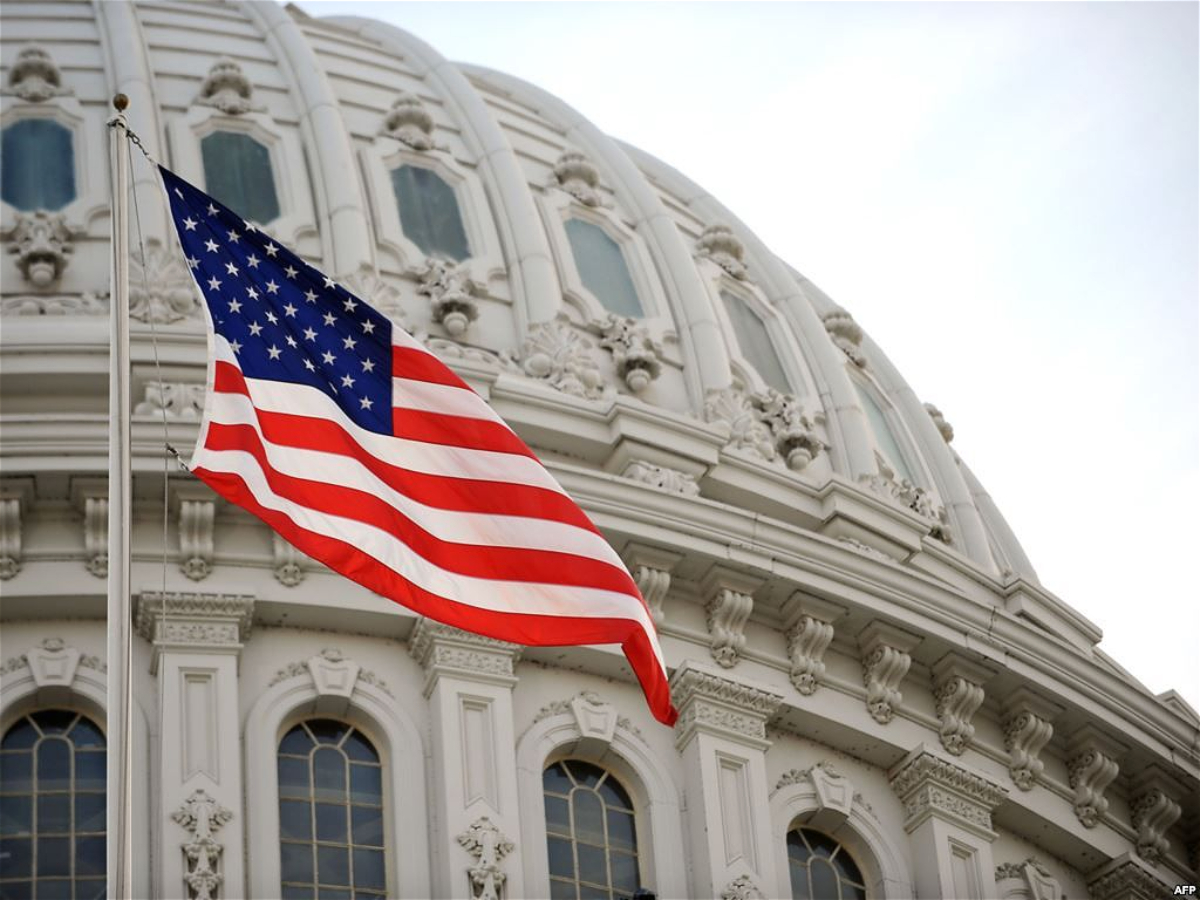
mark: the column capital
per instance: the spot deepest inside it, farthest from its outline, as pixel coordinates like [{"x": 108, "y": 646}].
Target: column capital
[
  {"x": 193, "y": 620},
  {"x": 445, "y": 650},
  {"x": 932, "y": 786},
  {"x": 1126, "y": 878},
  {"x": 717, "y": 704}
]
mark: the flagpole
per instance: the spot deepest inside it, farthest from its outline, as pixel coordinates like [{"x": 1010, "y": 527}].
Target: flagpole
[{"x": 119, "y": 515}]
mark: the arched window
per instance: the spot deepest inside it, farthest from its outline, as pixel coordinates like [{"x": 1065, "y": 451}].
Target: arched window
[
  {"x": 883, "y": 434},
  {"x": 38, "y": 165},
  {"x": 821, "y": 868},
  {"x": 52, "y": 776},
  {"x": 330, "y": 813},
  {"x": 237, "y": 171},
  {"x": 602, "y": 268},
  {"x": 429, "y": 213},
  {"x": 590, "y": 831},
  {"x": 755, "y": 343}
]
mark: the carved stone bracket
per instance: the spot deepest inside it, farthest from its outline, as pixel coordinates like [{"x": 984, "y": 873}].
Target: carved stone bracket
[
  {"x": 191, "y": 620},
  {"x": 808, "y": 625},
  {"x": 1155, "y": 809},
  {"x": 671, "y": 480},
  {"x": 558, "y": 354},
  {"x": 958, "y": 693},
  {"x": 161, "y": 289},
  {"x": 95, "y": 534},
  {"x": 10, "y": 534},
  {"x": 932, "y": 786},
  {"x": 635, "y": 354},
  {"x": 715, "y": 704},
  {"x": 410, "y": 122},
  {"x": 488, "y": 846},
  {"x": 288, "y": 562},
  {"x": 730, "y": 602},
  {"x": 651, "y": 568},
  {"x": 1028, "y": 727},
  {"x": 445, "y": 650},
  {"x": 1126, "y": 878},
  {"x": 451, "y": 294},
  {"x": 35, "y": 77},
  {"x": 722, "y": 246},
  {"x": 227, "y": 88},
  {"x": 202, "y": 817},
  {"x": 174, "y": 399},
  {"x": 1092, "y": 765},
  {"x": 943, "y": 427},
  {"x": 575, "y": 174},
  {"x": 196, "y": 520},
  {"x": 885, "y": 657},
  {"x": 1029, "y": 879},
  {"x": 42, "y": 242},
  {"x": 742, "y": 888},
  {"x": 846, "y": 334},
  {"x": 768, "y": 423}
]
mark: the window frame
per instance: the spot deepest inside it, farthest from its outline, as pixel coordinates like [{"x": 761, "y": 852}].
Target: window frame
[
  {"x": 270, "y": 164},
  {"x": 905, "y": 443},
  {"x": 776, "y": 325}
]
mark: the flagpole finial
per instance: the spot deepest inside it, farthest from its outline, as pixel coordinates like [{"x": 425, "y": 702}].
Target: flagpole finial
[{"x": 120, "y": 102}]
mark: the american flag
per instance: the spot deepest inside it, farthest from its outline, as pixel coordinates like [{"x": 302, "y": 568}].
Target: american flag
[{"x": 358, "y": 446}]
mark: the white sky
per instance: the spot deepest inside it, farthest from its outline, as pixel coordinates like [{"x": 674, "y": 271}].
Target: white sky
[{"x": 1003, "y": 195}]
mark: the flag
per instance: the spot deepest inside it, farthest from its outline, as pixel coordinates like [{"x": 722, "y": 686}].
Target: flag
[{"x": 364, "y": 451}]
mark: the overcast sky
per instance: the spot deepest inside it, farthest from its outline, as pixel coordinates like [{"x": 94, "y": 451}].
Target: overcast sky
[{"x": 1003, "y": 195}]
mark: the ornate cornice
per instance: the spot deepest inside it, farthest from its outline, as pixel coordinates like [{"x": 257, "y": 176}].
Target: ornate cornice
[
  {"x": 445, "y": 650},
  {"x": 932, "y": 786},
  {"x": 214, "y": 620},
  {"x": 1126, "y": 878},
  {"x": 708, "y": 702}
]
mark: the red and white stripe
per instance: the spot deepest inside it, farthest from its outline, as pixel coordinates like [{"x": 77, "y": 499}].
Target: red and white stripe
[{"x": 452, "y": 516}]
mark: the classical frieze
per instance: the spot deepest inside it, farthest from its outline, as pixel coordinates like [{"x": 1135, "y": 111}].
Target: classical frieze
[
  {"x": 42, "y": 242},
  {"x": 885, "y": 660},
  {"x": 227, "y": 88},
  {"x": 1028, "y": 727},
  {"x": 723, "y": 247},
  {"x": 958, "y": 693},
  {"x": 451, "y": 294},
  {"x": 930, "y": 785},
  {"x": 635, "y": 354},
  {"x": 409, "y": 122},
  {"x": 575, "y": 174},
  {"x": 808, "y": 628},
  {"x": 35, "y": 76},
  {"x": 1091, "y": 768},
  {"x": 556, "y": 353},
  {"x": 671, "y": 480},
  {"x": 487, "y": 847},
  {"x": 846, "y": 334},
  {"x": 202, "y": 817}
]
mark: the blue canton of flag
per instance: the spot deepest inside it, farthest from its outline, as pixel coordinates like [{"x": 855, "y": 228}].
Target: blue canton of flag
[{"x": 284, "y": 320}]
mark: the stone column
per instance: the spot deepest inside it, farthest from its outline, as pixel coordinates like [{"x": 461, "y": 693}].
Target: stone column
[
  {"x": 469, "y": 681},
  {"x": 197, "y": 640},
  {"x": 948, "y": 812},
  {"x": 721, "y": 735}
]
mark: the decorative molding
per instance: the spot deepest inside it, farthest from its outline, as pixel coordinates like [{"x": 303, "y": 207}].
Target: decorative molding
[
  {"x": 95, "y": 534},
  {"x": 451, "y": 294},
  {"x": 742, "y": 888},
  {"x": 958, "y": 693},
  {"x": 333, "y": 674},
  {"x": 366, "y": 285},
  {"x": 723, "y": 247},
  {"x": 89, "y": 303},
  {"x": 733, "y": 407},
  {"x": 35, "y": 77},
  {"x": 932, "y": 786},
  {"x": 53, "y": 663},
  {"x": 846, "y": 334},
  {"x": 1126, "y": 878},
  {"x": 729, "y": 605},
  {"x": 651, "y": 567},
  {"x": 1035, "y": 881},
  {"x": 865, "y": 549},
  {"x": 161, "y": 290},
  {"x": 488, "y": 846},
  {"x": 452, "y": 350},
  {"x": 1092, "y": 766},
  {"x": 808, "y": 627},
  {"x": 715, "y": 704},
  {"x": 768, "y": 423},
  {"x": 202, "y": 817},
  {"x": 1028, "y": 727},
  {"x": 174, "y": 399},
  {"x": 1154, "y": 809},
  {"x": 885, "y": 659},
  {"x": 217, "y": 620},
  {"x": 287, "y": 562},
  {"x": 558, "y": 354},
  {"x": 943, "y": 427},
  {"x": 196, "y": 520},
  {"x": 227, "y": 88},
  {"x": 10, "y": 535},
  {"x": 42, "y": 243},
  {"x": 635, "y": 354},
  {"x": 835, "y": 792},
  {"x": 888, "y": 485},
  {"x": 670, "y": 480},
  {"x": 409, "y": 122},
  {"x": 575, "y": 174},
  {"x": 445, "y": 650},
  {"x": 596, "y": 720}
]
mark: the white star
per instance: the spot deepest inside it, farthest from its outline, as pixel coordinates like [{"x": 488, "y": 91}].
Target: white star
[
  {"x": 347, "y": 381},
  {"x": 210, "y": 245},
  {"x": 272, "y": 287},
  {"x": 236, "y": 346},
  {"x": 212, "y": 210},
  {"x": 291, "y": 342},
  {"x": 368, "y": 365},
  {"x": 231, "y": 268},
  {"x": 272, "y": 318},
  {"x": 290, "y": 271},
  {"x": 179, "y": 193},
  {"x": 253, "y": 261},
  {"x": 252, "y": 293},
  {"x": 308, "y": 364},
  {"x": 328, "y": 357},
  {"x": 368, "y": 326},
  {"x": 290, "y": 310},
  {"x": 250, "y": 226},
  {"x": 255, "y": 328},
  {"x": 349, "y": 303},
  {"x": 330, "y": 318},
  {"x": 328, "y": 282},
  {"x": 233, "y": 237},
  {"x": 271, "y": 249},
  {"x": 235, "y": 306},
  {"x": 310, "y": 296},
  {"x": 189, "y": 223},
  {"x": 213, "y": 283},
  {"x": 274, "y": 351},
  {"x": 366, "y": 402},
  {"x": 349, "y": 343},
  {"x": 309, "y": 334},
  {"x": 192, "y": 262}
]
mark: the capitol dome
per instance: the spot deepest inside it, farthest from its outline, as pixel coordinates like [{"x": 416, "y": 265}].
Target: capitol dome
[{"x": 878, "y": 697}]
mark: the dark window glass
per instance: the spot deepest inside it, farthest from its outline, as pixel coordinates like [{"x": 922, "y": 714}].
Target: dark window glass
[
  {"x": 602, "y": 268},
  {"x": 821, "y": 868},
  {"x": 591, "y": 837},
  {"x": 37, "y": 165},
  {"x": 330, "y": 812},
  {"x": 237, "y": 171},
  {"x": 52, "y": 807},
  {"x": 429, "y": 213},
  {"x": 755, "y": 342}
]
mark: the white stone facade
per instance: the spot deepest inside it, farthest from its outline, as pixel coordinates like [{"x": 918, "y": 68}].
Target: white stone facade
[{"x": 858, "y": 643}]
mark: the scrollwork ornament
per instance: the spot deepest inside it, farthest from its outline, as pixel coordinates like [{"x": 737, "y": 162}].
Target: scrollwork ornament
[
  {"x": 635, "y": 354},
  {"x": 202, "y": 817},
  {"x": 556, "y": 353},
  {"x": 451, "y": 294},
  {"x": 488, "y": 846},
  {"x": 161, "y": 289}
]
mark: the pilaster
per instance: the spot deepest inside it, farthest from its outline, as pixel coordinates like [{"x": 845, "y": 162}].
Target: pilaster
[
  {"x": 469, "y": 681},
  {"x": 197, "y": 639},
  {"x": 721, "y": 735},
  {"x": 948, "y": 810}
]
